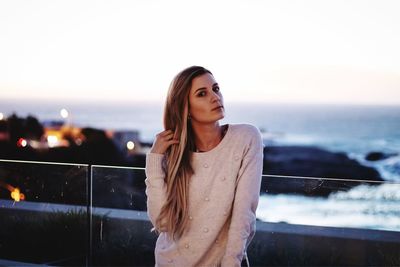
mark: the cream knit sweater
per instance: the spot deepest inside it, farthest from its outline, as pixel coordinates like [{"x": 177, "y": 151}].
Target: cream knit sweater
[{"x": 223, "y": 197}]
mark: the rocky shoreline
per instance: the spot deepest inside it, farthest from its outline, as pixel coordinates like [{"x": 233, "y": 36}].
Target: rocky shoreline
[{"x": 309, "y": 161}]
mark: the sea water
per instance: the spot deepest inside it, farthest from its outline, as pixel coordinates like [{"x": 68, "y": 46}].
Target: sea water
[{"x": 354, "y": 130}]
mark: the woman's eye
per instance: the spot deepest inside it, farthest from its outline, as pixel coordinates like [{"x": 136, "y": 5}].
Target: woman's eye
[
  {"x": 216, "y": 89},
  {"x": 202, "y": 93}
]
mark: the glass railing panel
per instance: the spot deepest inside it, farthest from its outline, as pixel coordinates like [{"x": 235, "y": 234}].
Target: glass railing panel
[
  {"x": 302, "y": 221},
  {"x": 327, "y": 222},
  {"x": 120, "y": 229},
  {"x": 43, "y": 210}
]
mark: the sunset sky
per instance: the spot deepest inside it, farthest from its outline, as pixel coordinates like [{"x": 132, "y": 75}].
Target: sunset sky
[{"x": 265, "y": 51}]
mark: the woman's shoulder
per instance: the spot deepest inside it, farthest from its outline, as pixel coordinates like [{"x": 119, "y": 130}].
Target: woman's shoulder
[
  {"x": 246, "y": 136},
  {"x": 245, "y": 129}
]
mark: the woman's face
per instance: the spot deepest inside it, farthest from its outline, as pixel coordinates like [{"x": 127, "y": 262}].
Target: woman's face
[{"x": 205, "y": 100}]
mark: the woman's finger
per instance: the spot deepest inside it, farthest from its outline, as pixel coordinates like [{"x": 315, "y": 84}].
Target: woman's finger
[
  {"x": 173, "y": 142},
  {"x": 168, "y": 135},
  {"x": 166, "y": 132}
]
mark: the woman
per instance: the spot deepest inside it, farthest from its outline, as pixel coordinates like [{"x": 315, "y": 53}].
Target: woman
[{"x": 202, "y": 178}]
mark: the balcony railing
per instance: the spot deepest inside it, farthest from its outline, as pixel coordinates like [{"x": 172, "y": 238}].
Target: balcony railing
[{"x": 77, "y": 214}]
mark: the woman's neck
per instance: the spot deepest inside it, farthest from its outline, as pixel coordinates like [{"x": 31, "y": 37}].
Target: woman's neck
[{"x": 207, "y": 136}]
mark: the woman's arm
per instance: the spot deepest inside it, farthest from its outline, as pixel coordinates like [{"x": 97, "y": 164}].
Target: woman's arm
[
  {"x": 242, "y": 227},
  {"x": 155, "y": 185}
]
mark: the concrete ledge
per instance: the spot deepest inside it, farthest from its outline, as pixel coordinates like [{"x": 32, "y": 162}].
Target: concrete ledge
[
  {"x": 278, "y": 228},
  {"x": 123, "y": 237},
  {"x": 17, "y": 263}
]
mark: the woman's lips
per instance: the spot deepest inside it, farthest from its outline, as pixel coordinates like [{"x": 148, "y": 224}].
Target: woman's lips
[{"x": 218, "y": 108}]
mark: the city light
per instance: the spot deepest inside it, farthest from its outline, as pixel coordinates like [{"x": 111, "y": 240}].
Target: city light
[
  {"x": 1, "y": 116},
  {"x": 22, "y": 142},
  {"x": 78, "y": 141},
  {"x": 52, "y": 140},
  {"x": 17, "y": 195},
  {"x": 64, "y": 113},
  {"x": 130, "y": 145}
]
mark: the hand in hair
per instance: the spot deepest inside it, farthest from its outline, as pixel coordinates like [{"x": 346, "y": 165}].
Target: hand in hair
[{"x": 163, "y": 141}]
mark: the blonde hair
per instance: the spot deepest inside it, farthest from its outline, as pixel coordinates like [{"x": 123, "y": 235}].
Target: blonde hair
[{"x": 173, "y": 218}]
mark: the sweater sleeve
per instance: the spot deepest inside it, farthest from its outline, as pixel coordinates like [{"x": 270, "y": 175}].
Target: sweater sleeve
[
  {"x": 155, "y": 185},
  {"x": 243, "y": 222}
]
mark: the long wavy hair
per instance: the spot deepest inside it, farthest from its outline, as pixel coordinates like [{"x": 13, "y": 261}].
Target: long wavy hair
[{"x": 173, "y": 218}]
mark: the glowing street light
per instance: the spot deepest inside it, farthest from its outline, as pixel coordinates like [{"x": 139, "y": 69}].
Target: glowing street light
[
  {"x": 64, "y": 113},
  {"x": 130, "y": 145},
  {"x": 1, "y": 116}
]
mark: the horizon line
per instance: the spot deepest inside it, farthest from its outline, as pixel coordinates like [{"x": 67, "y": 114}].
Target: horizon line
[{"x": 153, "y": 101}]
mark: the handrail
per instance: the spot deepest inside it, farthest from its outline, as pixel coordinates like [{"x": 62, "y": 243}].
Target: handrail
[{"x": 263, "y": 175}]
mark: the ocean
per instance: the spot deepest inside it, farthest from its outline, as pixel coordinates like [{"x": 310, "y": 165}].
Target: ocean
[{"x": 353, "y": 129}]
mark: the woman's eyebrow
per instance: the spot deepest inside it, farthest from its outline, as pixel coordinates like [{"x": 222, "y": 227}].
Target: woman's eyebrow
[{"x": 201, "y": 88}]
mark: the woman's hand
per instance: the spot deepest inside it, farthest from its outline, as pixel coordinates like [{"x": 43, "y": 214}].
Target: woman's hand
[{"x": 163, "y": 141}]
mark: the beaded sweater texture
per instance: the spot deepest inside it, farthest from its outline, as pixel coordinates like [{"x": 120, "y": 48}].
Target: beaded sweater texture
[{"x": 223, "y": 197}]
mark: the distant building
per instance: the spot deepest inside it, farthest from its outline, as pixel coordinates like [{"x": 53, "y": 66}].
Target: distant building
[
  {"x": 57, "y": 124},
  {"x": 58, "y": 134}
]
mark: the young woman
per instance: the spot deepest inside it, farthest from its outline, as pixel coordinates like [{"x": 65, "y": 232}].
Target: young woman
[{"x": 202, "y": 178}]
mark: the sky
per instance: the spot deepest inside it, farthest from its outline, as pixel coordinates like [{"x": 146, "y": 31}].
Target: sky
[{"x": 342, "y": 51}]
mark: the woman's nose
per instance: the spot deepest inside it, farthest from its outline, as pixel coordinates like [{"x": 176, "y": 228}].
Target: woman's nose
[{"x": 215, "y": 96}]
